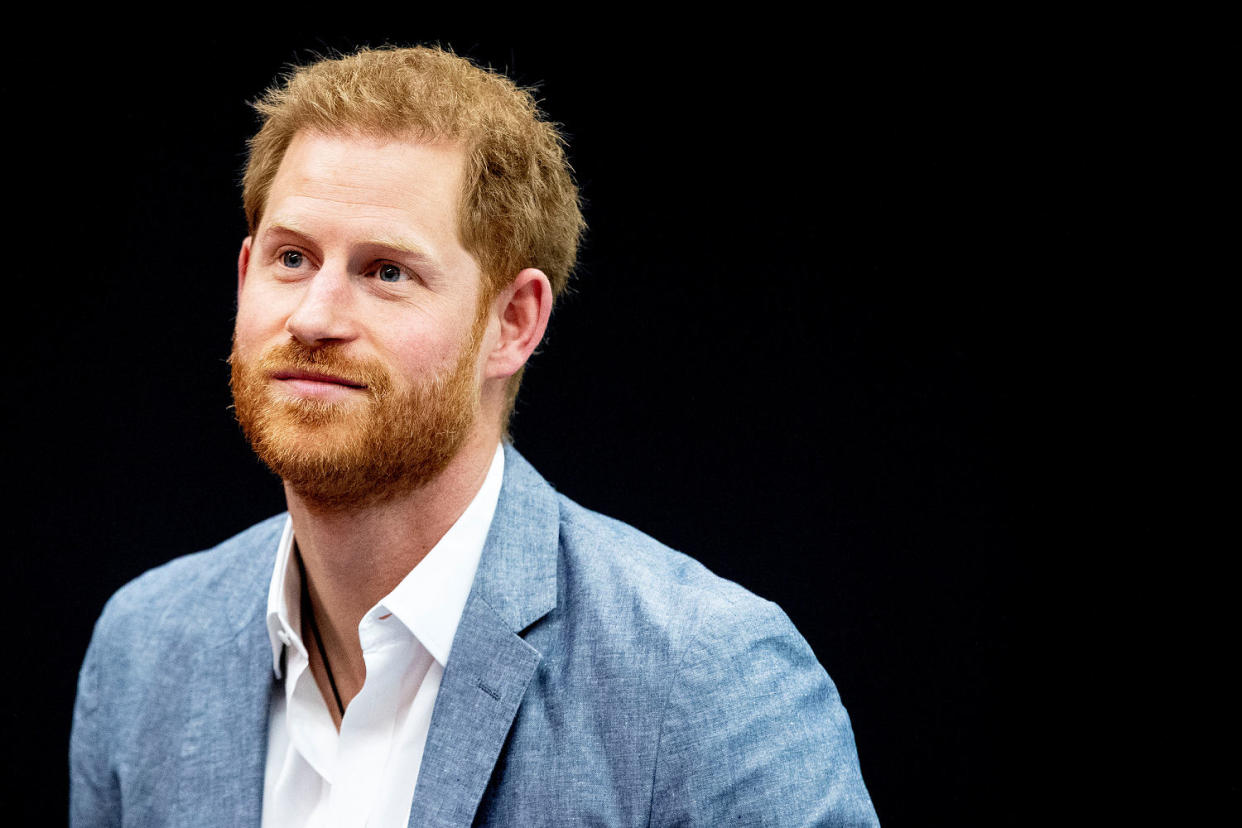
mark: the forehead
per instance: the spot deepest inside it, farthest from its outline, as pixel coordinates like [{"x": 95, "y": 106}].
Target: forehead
[{"x": 369, "y": 179}]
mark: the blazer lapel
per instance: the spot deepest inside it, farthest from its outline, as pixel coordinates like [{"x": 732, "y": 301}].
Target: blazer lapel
[
  {"x": 490, "y": 664},
  {"x": 479, "y": 697},
  {"x": 224, "y": 752}
]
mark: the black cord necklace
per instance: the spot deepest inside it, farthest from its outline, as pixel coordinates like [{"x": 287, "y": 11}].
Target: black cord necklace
[{"x": 310, "y": 616}]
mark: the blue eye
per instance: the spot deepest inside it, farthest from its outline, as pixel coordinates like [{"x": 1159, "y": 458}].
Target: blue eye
[
  {"x": 390, "y": 273},
  {"x": 291, "y": 259}
]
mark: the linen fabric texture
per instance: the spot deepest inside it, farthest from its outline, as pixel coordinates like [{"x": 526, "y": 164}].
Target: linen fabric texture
[{"x": 596, "y": 677}]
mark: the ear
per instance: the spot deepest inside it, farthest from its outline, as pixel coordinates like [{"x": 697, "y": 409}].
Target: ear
[
  {"x": 243, "y": 263},
  {"x": 522, "y": 310}
]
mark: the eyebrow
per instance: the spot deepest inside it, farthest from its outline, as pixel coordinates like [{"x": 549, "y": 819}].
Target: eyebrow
[{"x": 396, "y": 244}]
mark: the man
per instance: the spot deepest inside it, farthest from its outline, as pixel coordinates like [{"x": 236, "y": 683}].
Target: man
[{"x": 432, "y": 635}]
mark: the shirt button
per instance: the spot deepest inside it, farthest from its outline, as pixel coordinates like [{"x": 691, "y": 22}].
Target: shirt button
[{"x": 284, "y": 637}]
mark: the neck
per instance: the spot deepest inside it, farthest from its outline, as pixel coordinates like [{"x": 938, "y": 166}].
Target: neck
[{"x": 355, "y": 558}]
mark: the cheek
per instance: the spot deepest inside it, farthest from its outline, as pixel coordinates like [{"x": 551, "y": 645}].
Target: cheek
[
  {"x": 419, "y": 354},
  {"x": 246, "y": 325},
  {"x": 260, "y": 314},
  {"x": 250, "y": 335}
]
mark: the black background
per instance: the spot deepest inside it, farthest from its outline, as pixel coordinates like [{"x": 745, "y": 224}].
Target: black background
[{"x": 797, "y": 346}]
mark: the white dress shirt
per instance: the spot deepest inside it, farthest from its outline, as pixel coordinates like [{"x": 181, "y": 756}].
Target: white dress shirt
[{"x": 365, "y": 774}]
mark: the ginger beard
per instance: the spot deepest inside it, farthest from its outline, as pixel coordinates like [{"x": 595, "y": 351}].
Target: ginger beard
[{"x": 357, "y": 452}]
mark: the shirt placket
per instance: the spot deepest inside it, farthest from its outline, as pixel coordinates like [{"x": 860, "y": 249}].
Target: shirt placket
[{"x": 366, "y": 734}]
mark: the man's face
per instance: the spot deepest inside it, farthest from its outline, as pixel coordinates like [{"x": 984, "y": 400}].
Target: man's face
[{"x": 355, "y": 357}]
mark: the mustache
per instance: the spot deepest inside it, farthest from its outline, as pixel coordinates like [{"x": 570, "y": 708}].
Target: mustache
[{"x": 326, "y": 359}]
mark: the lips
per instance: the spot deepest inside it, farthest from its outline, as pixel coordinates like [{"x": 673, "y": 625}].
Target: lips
[{"x": 316, "y": 376}]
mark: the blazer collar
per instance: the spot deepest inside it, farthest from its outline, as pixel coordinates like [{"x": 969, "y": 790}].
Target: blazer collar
[{"x": 517, "y": 573}]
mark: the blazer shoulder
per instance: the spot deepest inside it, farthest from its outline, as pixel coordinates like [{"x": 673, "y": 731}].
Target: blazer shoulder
[
  {"x": 153, "y": 645},
  {"x": 748, "y": 724},
  {"x": 193, "y": 588},
  {"x": 643, "y": 596},
  {"x": 618, "y": 557}
]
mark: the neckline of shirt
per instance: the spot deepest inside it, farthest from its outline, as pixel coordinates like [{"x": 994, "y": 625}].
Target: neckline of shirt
[{"x": 428, "y": 602}]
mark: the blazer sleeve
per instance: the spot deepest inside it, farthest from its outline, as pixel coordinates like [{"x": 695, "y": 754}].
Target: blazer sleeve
[
  {"x": 93, "y": 796},
  {"x": 754, "y": 732}
]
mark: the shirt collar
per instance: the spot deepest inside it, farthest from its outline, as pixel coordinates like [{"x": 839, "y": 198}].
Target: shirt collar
[{"x": 429, "y": 601}]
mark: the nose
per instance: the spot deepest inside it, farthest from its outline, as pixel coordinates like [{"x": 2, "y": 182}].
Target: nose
[{"x": 324, "y": 313}]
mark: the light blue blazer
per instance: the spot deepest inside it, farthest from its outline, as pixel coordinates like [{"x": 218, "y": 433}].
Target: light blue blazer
[{"x": 597, "y": 678}]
